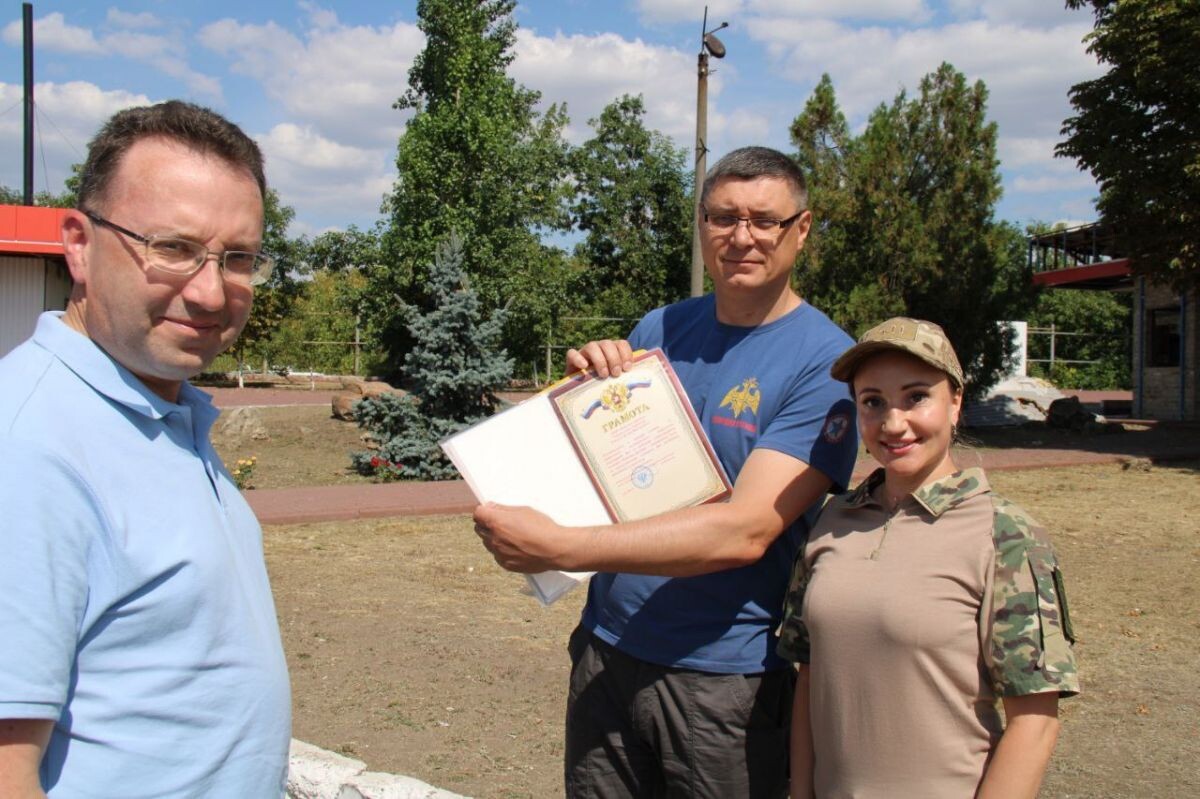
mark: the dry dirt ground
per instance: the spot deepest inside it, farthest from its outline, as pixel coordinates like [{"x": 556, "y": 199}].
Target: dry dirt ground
[
  {"x": 411, "y": 650},
  {"x": 298, "y": 445}
]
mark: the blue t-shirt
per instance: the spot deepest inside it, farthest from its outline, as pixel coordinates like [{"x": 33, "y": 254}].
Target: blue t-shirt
[
  {"x": 752, "y": 387},
  {"x": 135, "y": 611}
]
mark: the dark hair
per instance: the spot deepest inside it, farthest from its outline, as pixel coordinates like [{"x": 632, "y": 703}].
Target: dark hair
[
  {"x": 749, "y": 163},
  {"x": 199, "y": 128}
]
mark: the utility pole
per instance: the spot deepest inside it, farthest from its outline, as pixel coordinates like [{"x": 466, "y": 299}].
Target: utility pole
[
  {"x": 709, "y": 44},
  {"x": 27, "y": 26}
]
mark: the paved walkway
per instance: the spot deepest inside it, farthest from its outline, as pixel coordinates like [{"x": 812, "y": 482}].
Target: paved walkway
[
  {"x": 336, "y": 503},
  {"x": 365, "y": 501}
]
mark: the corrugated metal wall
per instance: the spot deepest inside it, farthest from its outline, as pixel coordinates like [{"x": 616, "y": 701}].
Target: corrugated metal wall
[{"x": 22, "y": 297}]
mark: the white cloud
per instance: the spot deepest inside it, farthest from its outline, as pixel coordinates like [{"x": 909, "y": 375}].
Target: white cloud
[
  {"x": 688, "y": 11},
  {"x": 52, "y": 33},
  {"x": 684, "y": 11},
  {"x": 69, "y": 114},
  {"x": 143, "y": 46},
  {"x": 123, "y": 19},
  {"x": 325, "y": 179},
  {"x": 340, "y": 79},
  {"x": 589, "y": 72},
  {"x": 1054, "y": 182},
  {"x": 1030, "y": 12},
  {"x": 873, "y": 10},
  {"x": 1027, "y": 89},
  {"x": 1020, "y": 151},
  {"x": 166, "y": 53},
  {"x": 303, "y": 147},
  {"x": 320, "y": 17},
  {"x": 727, "y": 130}
]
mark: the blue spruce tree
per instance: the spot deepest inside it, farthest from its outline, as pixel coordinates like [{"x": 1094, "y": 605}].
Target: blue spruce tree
[{"x": 454, "y": 369}]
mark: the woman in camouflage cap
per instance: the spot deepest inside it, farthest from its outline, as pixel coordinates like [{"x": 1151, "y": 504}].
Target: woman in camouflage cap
[{"x": 920, "y": 598}]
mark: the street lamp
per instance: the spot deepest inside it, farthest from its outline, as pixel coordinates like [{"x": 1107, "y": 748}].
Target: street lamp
[{"x": 709, "y": 45}]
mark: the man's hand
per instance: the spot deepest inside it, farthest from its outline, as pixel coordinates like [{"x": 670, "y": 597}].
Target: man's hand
[
  {"x": 22, "y": 744},
  {"x": 772, "y": 490},
  {"x": 521, "y": 539},
  {"x": 606, "y": 358}
]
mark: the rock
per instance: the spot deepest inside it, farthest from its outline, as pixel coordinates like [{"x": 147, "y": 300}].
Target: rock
[
  {"x": 373, "y": 388},
  {"x": 343, "y": 405},
  {"x": 242, "y": 424},
  {"x": 1068, "y": 413},
  {"x": 368, "y": 388}
]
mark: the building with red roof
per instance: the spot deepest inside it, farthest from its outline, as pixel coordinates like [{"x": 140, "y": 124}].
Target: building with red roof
[{"x": 33, "y": 273}]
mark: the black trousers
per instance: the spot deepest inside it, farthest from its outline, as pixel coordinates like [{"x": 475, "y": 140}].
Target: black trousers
[{"x": 637, "y": 729}]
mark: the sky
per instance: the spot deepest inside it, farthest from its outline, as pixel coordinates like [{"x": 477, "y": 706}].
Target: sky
[{"x": 313, "y": 82}]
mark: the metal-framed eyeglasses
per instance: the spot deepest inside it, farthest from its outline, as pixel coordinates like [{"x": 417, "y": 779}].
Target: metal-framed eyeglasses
[
  {"x": 760, "y": 227},
  {"x": 183, "y": 257}
]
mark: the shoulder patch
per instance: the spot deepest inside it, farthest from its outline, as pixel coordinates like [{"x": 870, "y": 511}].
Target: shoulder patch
[{"x": 836, "y": 427}]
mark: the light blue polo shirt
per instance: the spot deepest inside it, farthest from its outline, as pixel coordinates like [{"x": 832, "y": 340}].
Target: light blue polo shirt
[{"x": 134, "y": 605}]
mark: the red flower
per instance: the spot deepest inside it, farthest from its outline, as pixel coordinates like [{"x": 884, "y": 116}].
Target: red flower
[{"x": 375, "y": 461}]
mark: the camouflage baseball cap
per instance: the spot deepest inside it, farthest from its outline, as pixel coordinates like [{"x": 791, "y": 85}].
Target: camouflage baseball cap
[{"x": 919, "y": 338}]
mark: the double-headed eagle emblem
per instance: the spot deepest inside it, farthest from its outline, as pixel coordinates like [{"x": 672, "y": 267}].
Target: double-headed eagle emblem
[{"x": 742, "y": 397}]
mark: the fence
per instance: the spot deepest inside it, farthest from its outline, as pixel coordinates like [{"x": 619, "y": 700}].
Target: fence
[
  {"x": 551, "y": 347},
  {"x": 1054, "y": 333}
]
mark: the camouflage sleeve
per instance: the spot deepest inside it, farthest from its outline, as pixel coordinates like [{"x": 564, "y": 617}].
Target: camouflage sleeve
[
  {"x": 1024, "y": 623},
  {"x": 793, "y": 636}
]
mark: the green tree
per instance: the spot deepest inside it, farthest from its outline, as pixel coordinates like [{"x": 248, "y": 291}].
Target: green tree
[
  {"x": 454, "y": 369},
  {"x": 1137, "y": 129},
  {"x": 477, "y": 159},
  {"x": 634, "y": 206},
  {"x": 905, "y": 219},
  {"x": 1100, "y": 321},
  {"x": 46, "y": 199},
  {"x": 274, "y": 299},
  {"x": 320, "y": 329},
  {"x": 346, "y": 250},
  {"x": 823, "y": 151}
]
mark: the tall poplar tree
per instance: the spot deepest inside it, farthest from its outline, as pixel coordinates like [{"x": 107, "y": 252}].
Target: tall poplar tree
[
  {"x": 1137, "y": 129},
  {"x": 479, "y": 161},
  {"x": 634, "y": 208}
]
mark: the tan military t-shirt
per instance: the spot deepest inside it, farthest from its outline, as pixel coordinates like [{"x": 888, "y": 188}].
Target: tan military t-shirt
[{"x": 913, "y": 622}]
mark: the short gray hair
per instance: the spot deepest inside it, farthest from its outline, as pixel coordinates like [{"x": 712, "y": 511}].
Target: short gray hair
[{"x": 749, "y": 163}]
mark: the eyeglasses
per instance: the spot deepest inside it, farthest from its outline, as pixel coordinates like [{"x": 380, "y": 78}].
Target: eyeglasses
[
  {"x": 760, "y": 227},
  {"x": 185, "y": 257}
]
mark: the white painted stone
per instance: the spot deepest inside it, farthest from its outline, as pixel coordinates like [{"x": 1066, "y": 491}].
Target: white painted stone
[
  {"x": 315, "y": 773},
  {"x": 377, "y": 785}
]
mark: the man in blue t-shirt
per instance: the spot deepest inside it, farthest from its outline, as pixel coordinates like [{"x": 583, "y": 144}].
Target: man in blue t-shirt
[{"x": 675, "y": 685}]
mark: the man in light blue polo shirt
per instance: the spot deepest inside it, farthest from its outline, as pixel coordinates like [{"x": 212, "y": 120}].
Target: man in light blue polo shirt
[{"x": 141, "y": 655}]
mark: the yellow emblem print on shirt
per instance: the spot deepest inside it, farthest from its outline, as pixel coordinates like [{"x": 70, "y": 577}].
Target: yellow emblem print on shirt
[
  {"x": 742, "y": 397},
  {"x": 615, "y": 397}
]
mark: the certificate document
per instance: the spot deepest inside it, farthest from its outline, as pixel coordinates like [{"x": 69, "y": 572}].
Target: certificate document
[
  {"x": 585, "y": 464},
  {"x": 639, "y": 440}
]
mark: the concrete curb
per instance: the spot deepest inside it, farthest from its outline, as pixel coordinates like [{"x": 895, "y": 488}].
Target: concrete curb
[{"x": 315, "y": 773}]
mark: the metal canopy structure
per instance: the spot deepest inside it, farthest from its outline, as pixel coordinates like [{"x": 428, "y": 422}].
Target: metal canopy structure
[{"x": 1083, "y": 257}]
